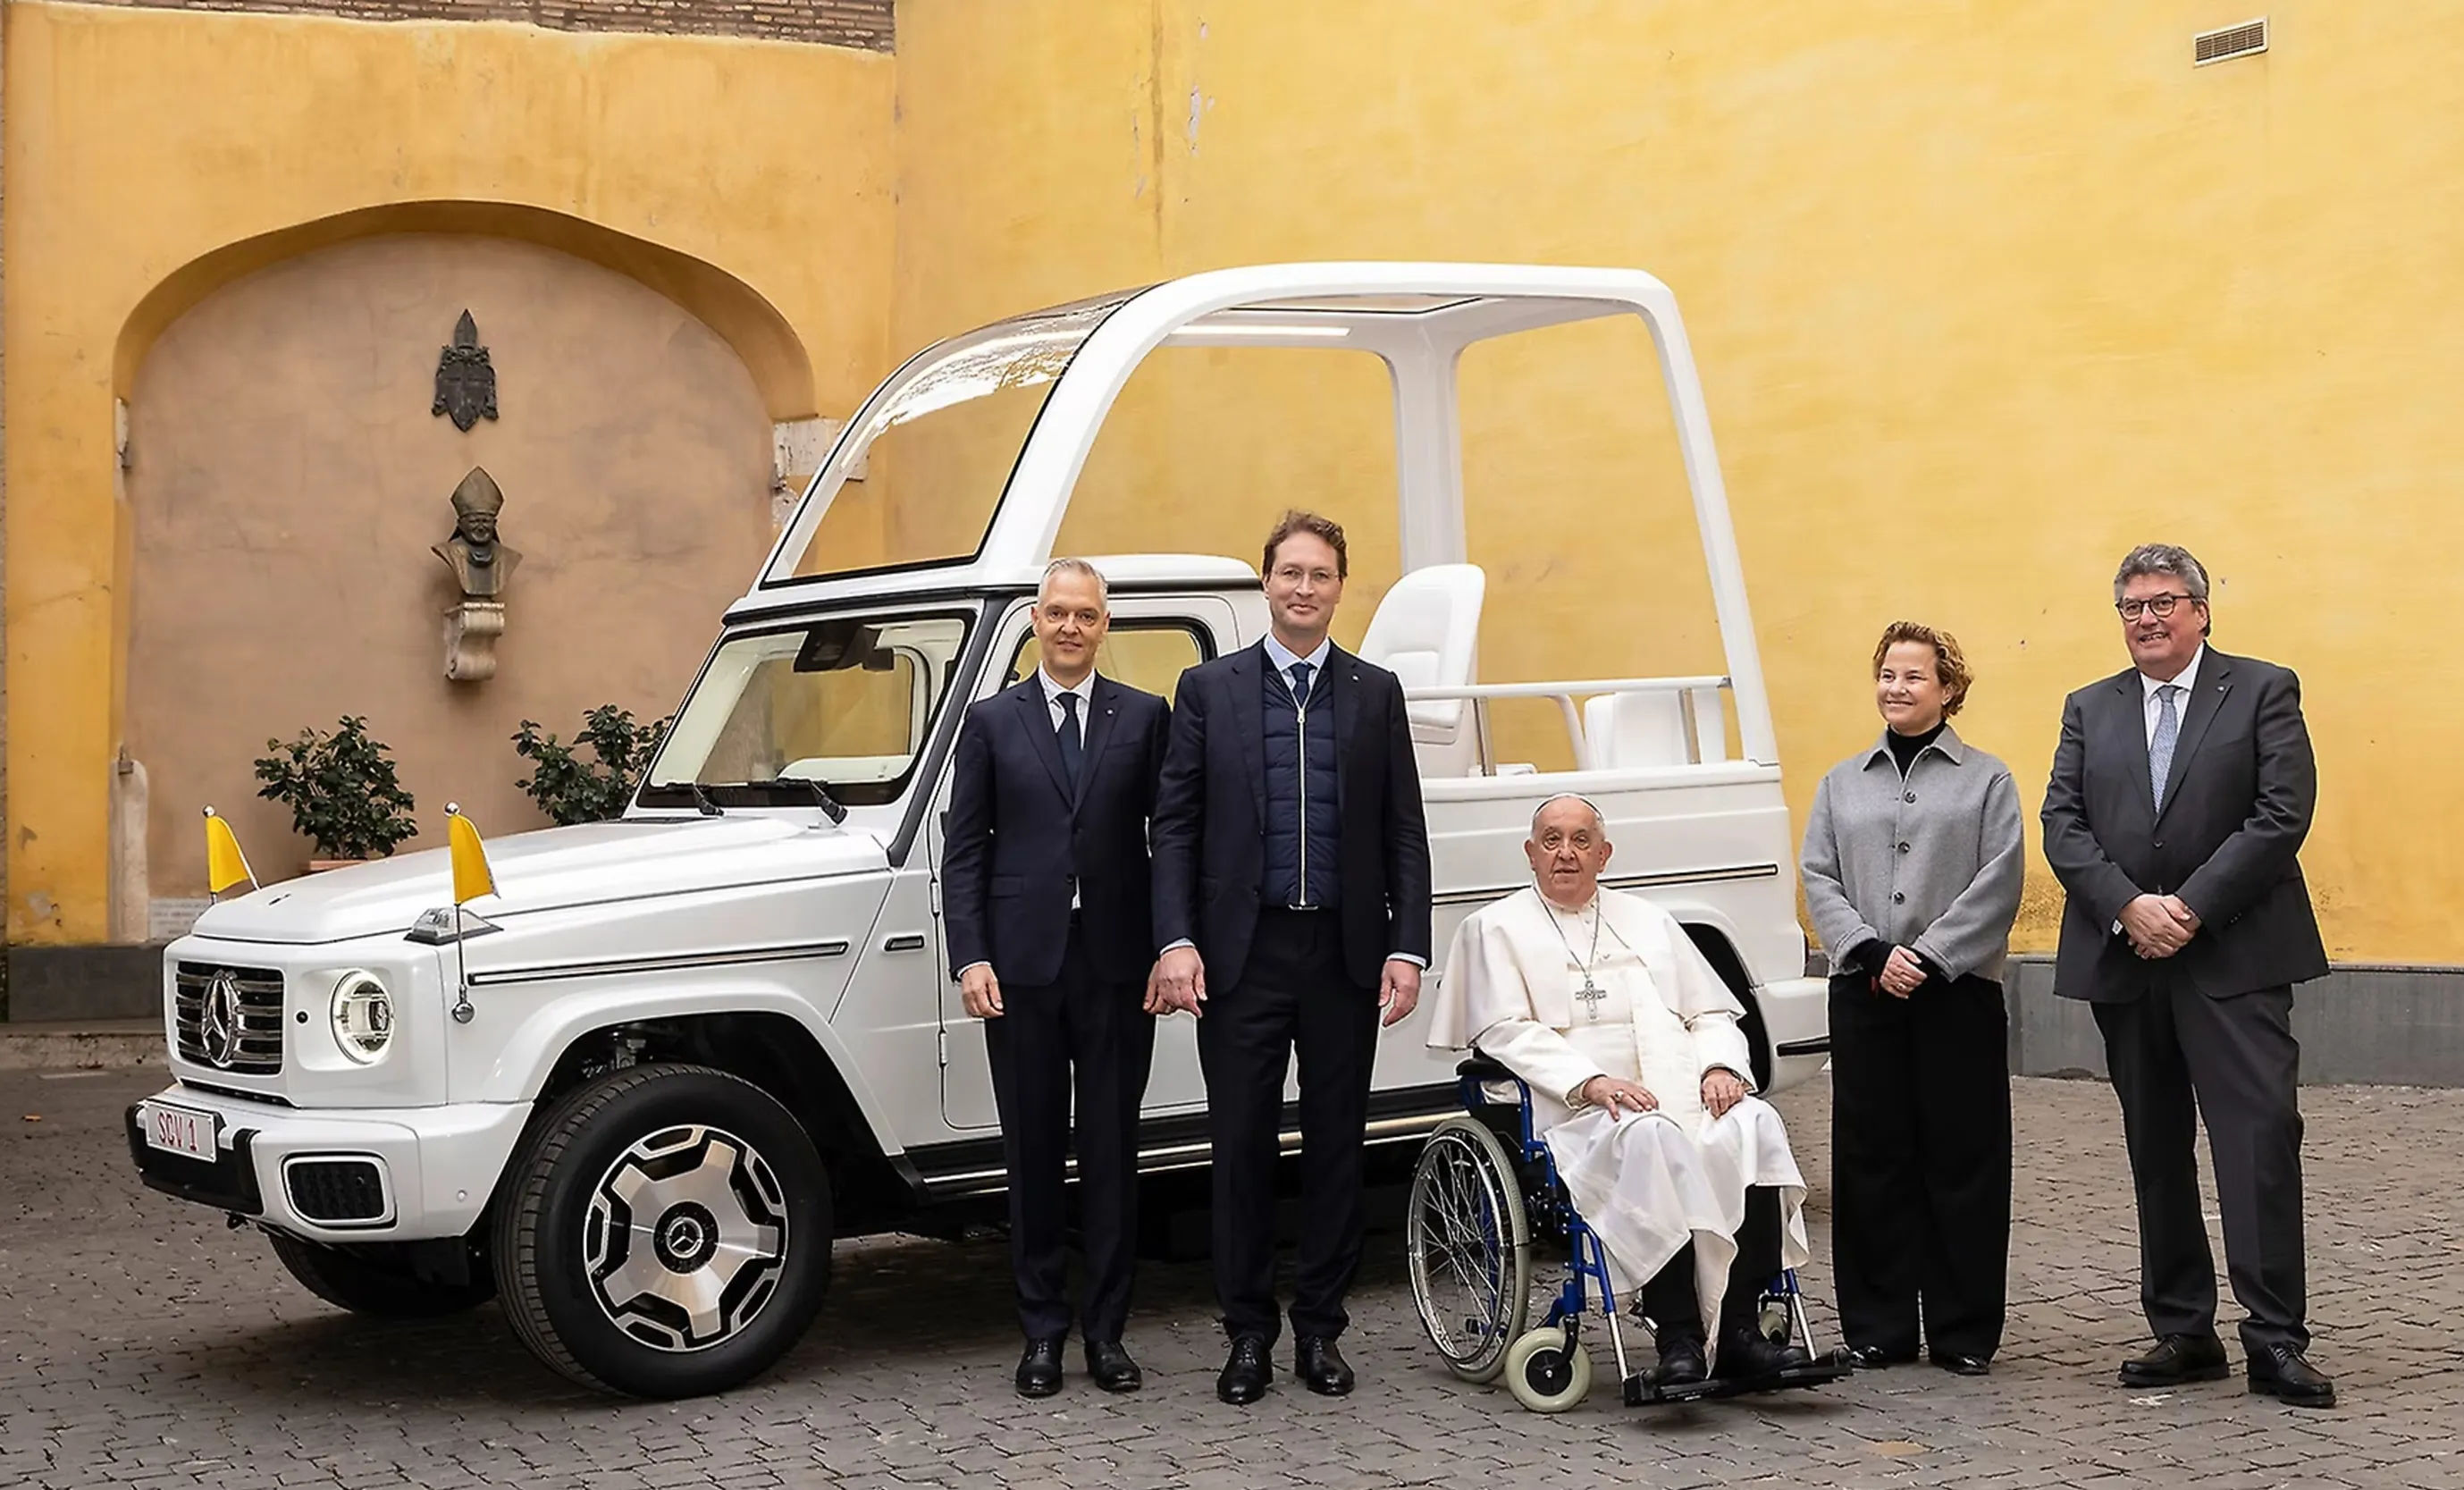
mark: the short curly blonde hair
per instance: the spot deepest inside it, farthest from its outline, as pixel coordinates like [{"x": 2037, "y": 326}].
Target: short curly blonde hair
[{"x": 1951, "y": 664}]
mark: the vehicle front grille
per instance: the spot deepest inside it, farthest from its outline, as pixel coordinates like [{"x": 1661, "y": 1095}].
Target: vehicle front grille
[
  {"x": 257, "y": 1048},
  {"x": 336, "y": 1191}
]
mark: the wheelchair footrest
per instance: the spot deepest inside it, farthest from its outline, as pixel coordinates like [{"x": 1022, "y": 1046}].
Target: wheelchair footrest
[{"x": 1823, "y": 1370}]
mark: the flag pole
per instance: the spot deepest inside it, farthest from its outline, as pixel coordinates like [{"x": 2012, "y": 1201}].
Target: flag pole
[{"x": 462, "y": 1009}]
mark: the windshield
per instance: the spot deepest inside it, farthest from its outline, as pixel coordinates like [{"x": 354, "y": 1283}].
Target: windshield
[
  {"x": 846, "y": 703},
  {"x": 920, "y": 478}
]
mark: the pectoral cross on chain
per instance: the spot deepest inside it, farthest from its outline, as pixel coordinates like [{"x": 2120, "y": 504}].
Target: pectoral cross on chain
[{"x": 1591, "y": 994}]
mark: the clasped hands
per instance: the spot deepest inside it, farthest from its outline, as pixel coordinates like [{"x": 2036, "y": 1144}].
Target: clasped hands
[
  {"x": 1722, "y": 1089},
  {"x": 1178, "y": 985},
  {"x": 2158, "y": 926}
]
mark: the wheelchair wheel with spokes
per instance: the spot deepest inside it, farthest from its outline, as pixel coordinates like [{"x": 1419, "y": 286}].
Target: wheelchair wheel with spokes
[{"x": 1469, "y": 1248}]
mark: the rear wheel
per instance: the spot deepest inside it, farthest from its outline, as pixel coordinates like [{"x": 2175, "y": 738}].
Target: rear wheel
[
  {"x": 665, "y": 1232},
  {"x": 1468, "y": 1248},
  {"x": 366, "y": 1281}
]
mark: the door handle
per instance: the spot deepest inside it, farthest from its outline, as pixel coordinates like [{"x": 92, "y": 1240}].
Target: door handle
[{"x": 904, "y": 941}]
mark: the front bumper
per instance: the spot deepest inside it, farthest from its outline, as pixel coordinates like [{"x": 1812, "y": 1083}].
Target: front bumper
[
  {"x": 438, "y": 1164},
  {"x": 1796, "y": 1016}
]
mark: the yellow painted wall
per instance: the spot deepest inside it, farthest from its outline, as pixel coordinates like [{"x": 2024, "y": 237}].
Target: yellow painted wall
[
  {"x": 1982, "y": 293},
  {"x": 139, "y": 141}
]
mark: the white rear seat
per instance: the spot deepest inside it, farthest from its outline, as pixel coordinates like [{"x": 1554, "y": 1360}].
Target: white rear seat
[
  {"x": 1629, "y": 730},
  {"x": 1427, "y": 632}
]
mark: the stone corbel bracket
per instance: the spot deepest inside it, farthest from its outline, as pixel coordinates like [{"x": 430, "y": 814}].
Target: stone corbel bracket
[{"x": 470, "y": 632}]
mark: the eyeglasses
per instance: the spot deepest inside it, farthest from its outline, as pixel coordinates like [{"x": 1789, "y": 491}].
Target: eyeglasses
[{"x": 2160, "y": 605}]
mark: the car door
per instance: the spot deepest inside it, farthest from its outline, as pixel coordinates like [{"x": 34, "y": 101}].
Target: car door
[{"x": 1153, "y": 640}]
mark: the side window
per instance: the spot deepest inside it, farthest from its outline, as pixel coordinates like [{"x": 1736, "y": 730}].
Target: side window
[{"x": 1150, "y": 655}]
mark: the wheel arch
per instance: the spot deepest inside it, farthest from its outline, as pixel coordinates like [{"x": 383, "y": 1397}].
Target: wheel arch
[{"x": 1717, "y": 949}]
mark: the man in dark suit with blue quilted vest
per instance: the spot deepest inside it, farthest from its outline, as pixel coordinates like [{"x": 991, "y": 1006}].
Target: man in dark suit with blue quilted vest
[
  {"x": 1292, "y": 874},
  {"x": 1045, "y": 899}
]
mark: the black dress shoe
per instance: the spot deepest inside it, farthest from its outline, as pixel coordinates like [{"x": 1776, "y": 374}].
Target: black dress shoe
[
  {"x": 1317, "y": 1362},
  {"x": 2283, "y": 1375},
  {"x": 1959, "y": 1365},
  {"x": 2177, "y": 1360},
  {"x": 1111, "y": 1367},
  {"x": 1680, "y": 1363},
  {"x": 1039, "y": 1370},
  {"x": 1750, "y": 1356},
  {"x": 1873, "y": 1358},
  {"x": 1247, "y": 1371}
]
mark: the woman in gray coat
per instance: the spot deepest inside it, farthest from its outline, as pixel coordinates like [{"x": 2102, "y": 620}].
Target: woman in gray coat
[{"x": 1912, "y": 866}]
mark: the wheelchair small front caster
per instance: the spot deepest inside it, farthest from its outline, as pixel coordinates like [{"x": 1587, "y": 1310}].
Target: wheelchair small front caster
[{"x": 1545, "y": 1372}]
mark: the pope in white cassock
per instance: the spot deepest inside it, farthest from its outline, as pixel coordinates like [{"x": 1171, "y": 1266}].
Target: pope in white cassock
[{"x": 1639, "y": 1081}]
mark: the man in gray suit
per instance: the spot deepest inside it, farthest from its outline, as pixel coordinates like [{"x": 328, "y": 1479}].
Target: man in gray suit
[{"x": 2180, "y": 792}]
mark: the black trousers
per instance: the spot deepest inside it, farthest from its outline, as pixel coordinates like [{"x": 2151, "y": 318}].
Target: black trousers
[
  {"x": 1669, "y": 1297},
  {"x": 1100, "y": 1033},
  {"x": 2177, "y": 1055},
  {"x": 1293, "y": 997},
  {"x": 1921, "y": 1164}
]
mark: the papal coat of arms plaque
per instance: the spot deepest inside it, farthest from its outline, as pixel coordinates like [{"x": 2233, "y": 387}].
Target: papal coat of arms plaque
[{"x": 466, "y": 386}]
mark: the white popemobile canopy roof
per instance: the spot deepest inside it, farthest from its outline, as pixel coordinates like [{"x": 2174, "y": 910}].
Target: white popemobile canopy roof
[{"x": 1417, "y": 316}]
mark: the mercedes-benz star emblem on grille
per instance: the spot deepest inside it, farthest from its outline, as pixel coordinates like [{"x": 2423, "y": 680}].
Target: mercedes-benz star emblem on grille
[{"x": 220, "y": 1026}]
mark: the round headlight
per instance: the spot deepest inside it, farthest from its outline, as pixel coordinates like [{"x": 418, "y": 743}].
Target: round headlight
[{"x": 362, "y": 1017}]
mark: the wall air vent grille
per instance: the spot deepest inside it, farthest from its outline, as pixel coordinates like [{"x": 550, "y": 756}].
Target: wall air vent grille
[{"x": 2247, "y": 39}]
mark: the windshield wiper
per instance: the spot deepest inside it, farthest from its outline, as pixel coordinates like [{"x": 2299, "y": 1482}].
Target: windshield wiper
[
  {"x": 701, "y": 800},
  {"x": 822, "y": 798}
]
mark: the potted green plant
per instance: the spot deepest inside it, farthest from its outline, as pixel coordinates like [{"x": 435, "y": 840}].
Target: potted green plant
[
  {"x": 571, "y": 789},
  {"x": 343, "y": 792}
]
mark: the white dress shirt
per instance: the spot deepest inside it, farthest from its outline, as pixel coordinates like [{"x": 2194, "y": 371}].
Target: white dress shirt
[
  {"x": 1282, "y": 657},
  {"x": 2185, "y": 680},
  {"x": 1052, "y": 691}
]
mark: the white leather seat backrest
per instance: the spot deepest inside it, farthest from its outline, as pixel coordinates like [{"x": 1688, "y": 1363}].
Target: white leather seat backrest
[
  {"x": 1427, "y": 632},
  {"x": 1629, "y": 730}
]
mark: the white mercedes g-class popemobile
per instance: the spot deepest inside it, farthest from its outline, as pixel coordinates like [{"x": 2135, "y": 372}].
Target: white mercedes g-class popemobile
[{"x": 638, "y": 1092}]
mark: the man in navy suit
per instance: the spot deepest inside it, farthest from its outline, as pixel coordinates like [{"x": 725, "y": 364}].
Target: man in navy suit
[
  {"x": 1292, "y": 874},
  {"x": 1046, "y": 896}
]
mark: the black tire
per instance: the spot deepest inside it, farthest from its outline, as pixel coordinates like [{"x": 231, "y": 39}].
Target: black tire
[
  {"x": 564, "y": 1199},
  {"x": 365, "y": 1281}
]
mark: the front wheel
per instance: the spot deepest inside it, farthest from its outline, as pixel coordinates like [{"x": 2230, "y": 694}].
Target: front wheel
[
  {"x": 664, "y": 1232},
  {"x": 366, "y": 1281},
  {"x": 1548, "y": 1371}
]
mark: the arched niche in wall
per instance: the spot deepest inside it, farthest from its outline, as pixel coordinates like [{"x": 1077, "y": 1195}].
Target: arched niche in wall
[{"x": 287, "y": 477}]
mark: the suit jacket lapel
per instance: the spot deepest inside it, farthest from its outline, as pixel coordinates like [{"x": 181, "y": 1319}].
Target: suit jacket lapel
[
  {"x": 2199, "y": 711},
  {"x": 1037, "y": 714},
  {"x": 2129, "y": 728},
  {"x": 1100, "y": 709},
  {"x": 1249, "y": 718},
  {"x": 1342, "y": 675}
]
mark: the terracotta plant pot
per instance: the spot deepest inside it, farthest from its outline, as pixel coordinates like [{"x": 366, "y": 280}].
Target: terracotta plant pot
[{"x": 320, "y": 865}]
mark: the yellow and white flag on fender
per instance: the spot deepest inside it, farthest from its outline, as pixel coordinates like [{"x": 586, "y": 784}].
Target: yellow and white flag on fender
[
  {"x": 472, "y": 877},
  {"x": 225, "y": 865}
]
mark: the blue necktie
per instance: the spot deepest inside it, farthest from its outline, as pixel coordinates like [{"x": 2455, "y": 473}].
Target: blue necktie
[
  {"x": 1299, "y": 684},
  {"x": 1073, "y": 750},
  {"x": 2160, "y": 749}
]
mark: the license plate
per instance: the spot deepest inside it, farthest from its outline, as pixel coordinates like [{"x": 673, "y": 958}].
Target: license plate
[{"x": 180, "y": 1131}]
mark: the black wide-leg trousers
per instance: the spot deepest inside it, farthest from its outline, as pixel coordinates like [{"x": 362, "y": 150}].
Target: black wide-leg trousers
[
  {"x": 1083, "y": 1031},
  {"x": 1292, "y": 998},
  {"x": 1921, "y": 1164}
]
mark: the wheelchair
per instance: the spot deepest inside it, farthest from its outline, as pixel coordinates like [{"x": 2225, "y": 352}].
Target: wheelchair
[{"x": 1484, "y": 1191}]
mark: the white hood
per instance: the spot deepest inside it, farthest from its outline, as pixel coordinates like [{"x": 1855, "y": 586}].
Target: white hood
[{"x": 545, "y": 870}]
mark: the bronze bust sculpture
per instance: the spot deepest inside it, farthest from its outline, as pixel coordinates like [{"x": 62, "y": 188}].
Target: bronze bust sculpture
[{"x": 480, "y": 563}]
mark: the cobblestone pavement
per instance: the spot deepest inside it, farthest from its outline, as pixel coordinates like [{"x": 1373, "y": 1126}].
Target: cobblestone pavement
[{"x": 143, "y": 1344}]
